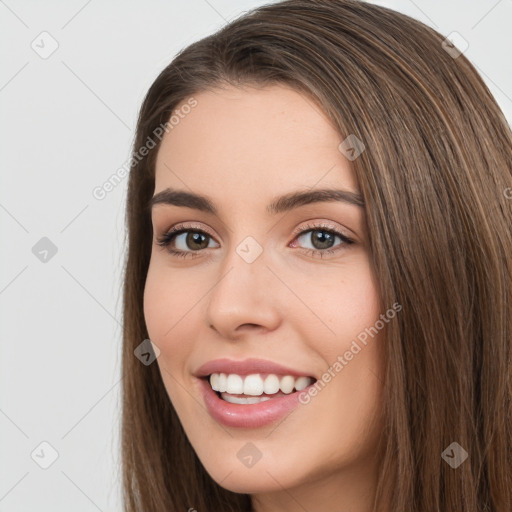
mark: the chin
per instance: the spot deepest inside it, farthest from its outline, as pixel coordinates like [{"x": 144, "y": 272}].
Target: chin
[{"x": 252, "y": 480}]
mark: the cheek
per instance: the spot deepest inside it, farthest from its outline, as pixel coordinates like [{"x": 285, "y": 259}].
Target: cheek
[
  {"x": 165, "y": 302},
  {"x": 156, "y": 303},
  {"x": 166, "y": 313},
  {"x": 352, "y": 305},
  {"x": 352, "y": 383},
  {"x": 354, "y": 352}
]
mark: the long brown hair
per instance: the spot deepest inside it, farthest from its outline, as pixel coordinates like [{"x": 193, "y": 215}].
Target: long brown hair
[{"x": 436, "y": 177}]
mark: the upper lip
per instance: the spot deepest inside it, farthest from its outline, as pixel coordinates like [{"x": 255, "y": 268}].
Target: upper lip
[{"x": 247, "y": 367}]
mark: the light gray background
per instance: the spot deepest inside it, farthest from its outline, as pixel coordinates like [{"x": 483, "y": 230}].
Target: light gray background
[{"x": 67, "y": 122}]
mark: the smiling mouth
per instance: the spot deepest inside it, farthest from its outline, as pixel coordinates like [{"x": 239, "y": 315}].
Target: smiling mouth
[{"x": 255, "y": 388}]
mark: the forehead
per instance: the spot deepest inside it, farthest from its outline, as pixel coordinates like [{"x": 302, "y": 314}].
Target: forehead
[{"x": 257, "y": 140}]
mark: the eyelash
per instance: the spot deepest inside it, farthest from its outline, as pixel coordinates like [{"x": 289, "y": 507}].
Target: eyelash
[{"x": 166, "y": 239}]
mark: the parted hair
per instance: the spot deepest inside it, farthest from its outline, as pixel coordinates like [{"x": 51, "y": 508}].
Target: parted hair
[{"x": 436, "y": 178}]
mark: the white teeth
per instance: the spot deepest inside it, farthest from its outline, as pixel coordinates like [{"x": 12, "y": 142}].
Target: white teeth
[
  {"x": 302, "y": 382},
  {"x": 287, "y": 383},
  {"x": 254, "y": 385},
  {"x": 214, "y": 381},
  {"x": 235, "y": 384},
  {"x": 244, "y": 400},
  {"x": 223, "y": 382},
  {"x": 271, "y": 384}
]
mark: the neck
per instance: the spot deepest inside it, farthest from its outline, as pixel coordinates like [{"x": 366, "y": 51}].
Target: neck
[{"x": 351, "y": 489}]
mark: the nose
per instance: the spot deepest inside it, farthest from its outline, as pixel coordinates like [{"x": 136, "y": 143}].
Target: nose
[{"x": 245, "y": 297}]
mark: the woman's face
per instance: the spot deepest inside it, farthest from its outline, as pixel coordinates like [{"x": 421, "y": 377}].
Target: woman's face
[{"x": 280, "y": 286}]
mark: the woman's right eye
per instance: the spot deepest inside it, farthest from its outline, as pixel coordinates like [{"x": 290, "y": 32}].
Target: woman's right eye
[{"x": 187, "y": 238}]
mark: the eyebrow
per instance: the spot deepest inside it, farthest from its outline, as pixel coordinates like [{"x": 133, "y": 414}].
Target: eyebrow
[{"x": 280, "y": 204}]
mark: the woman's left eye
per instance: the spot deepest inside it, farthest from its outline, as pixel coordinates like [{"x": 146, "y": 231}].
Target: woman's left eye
[{"x": 321, "y": 238}]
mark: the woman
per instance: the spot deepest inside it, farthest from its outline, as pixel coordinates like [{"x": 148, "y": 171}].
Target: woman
[{"x": 319, "y": 250}]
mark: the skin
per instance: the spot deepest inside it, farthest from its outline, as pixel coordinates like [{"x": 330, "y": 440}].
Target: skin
[{"x": 242, "y": 148}]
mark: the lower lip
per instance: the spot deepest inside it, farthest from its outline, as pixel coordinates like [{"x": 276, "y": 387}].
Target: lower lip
[{"x": 247, "y": 415}]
